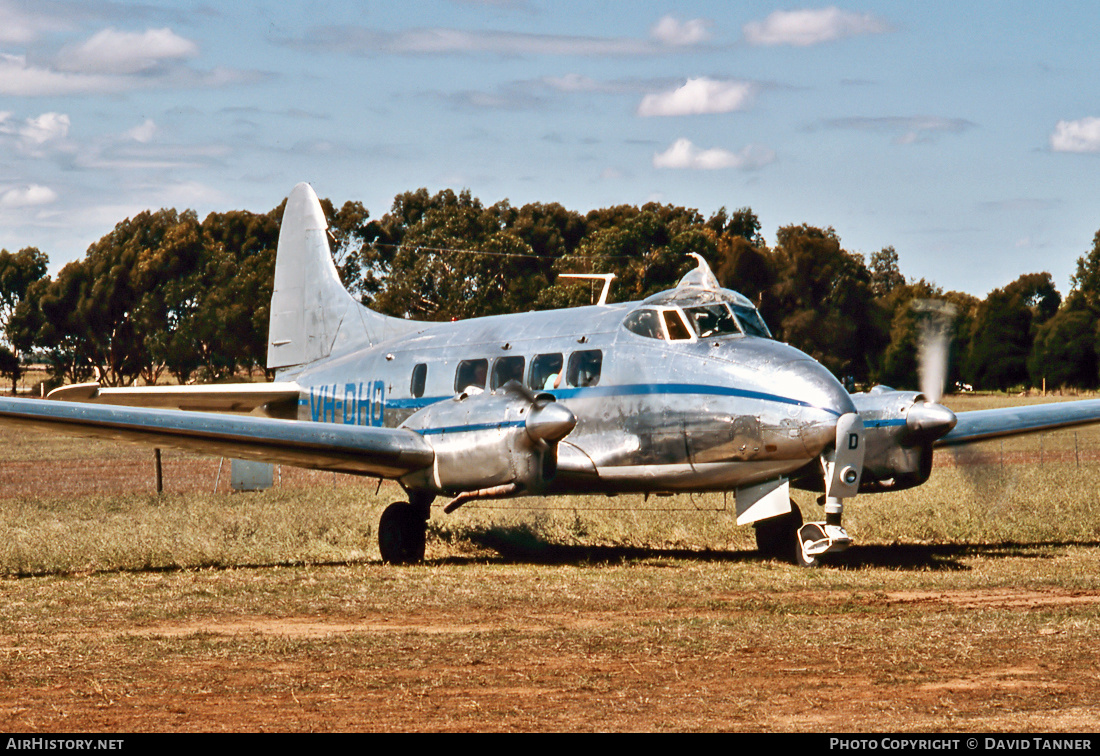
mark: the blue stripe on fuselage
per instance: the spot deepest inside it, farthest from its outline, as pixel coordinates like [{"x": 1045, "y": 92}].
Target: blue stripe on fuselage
[{"x": 636, "y": 389}]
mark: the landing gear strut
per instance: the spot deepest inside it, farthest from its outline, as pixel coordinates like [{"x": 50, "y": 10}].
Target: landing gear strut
[{"x": 402, "y": 530}]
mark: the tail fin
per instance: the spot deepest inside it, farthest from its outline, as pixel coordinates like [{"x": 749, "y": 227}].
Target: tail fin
[{"x": 312, "y": 314}]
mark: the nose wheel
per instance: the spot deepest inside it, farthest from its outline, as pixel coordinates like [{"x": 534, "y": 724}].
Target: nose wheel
[
  {"x": 787, "y": 539},
  {"x": 816, "y": 539},
  {"x": 777, "y": 537}
]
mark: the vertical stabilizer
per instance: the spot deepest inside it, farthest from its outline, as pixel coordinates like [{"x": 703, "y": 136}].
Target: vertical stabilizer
[{"x": 312, "y": 314}]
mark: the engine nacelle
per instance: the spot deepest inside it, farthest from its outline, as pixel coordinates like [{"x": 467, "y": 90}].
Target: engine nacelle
[
  {"x": 898, "y": 448},
  {"x": 484, "y": 440}
]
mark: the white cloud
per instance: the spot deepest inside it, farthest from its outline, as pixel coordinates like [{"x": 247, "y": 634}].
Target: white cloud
[
  {"x": 444, "y": 41},
  {"x": 684, "y": 154},
  {"x": 909, "y": 129},
  {"x": 698, "y": 96},
  {"x": 37, "y": 136},
  {"x": 671, "y": 31},
  {"x": 1076, "y": 136},
  {"x": 802, "y": 28},
  {"x": 19, "y": 25},
  {"x": 143, "y": 133},
  {"x": 47, "y": 127},
  {"x": 187, "y": 194},
  {"x": 21, "y": 80},
  {"x": 28, "y": 196},
  {"x": 117, "y": 52},
  {"x": 573, "y": 82}
]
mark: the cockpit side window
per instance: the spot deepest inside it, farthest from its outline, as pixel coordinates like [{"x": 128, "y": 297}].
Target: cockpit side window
[
  {"x": 644, "y": 323},
  {"x": 751, "y": 321},
  {"x": 712, "y": 320},
  {"x": 585, "y": 367},
  {"x": 677, "y": 330}
]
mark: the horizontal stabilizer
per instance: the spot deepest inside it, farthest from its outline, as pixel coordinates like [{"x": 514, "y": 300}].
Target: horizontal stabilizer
[{"x": 229, "y": 397}]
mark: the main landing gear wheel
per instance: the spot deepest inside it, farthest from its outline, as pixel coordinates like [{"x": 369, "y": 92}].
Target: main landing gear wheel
[
  {"x": 777, "y": 538},
  {"x": 402, "y": 531}
]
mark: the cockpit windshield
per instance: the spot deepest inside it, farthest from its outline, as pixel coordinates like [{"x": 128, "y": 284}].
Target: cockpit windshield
[
  {"x": 707, "y": 320},
  {"x": 712, "y": 320}
]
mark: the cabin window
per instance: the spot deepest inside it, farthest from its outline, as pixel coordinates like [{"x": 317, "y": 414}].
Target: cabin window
[
  {"x": 507, "y": 369},
  {"x": 584, "y": 368},
  {"x": 677, "y": 329},
  {"x": 545, "y": 369},
  {"x": 644, "y": 323},
  {"x": 419, "y": 377},
  {"x": 712, "y": 320},
  {"x": 471, "y": 374}
]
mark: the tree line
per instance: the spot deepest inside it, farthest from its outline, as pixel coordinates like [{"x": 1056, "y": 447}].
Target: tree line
[{"x": 165, "y": 294}]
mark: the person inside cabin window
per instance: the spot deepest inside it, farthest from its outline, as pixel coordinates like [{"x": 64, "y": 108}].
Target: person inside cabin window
[{"x": 470, "y": 375}]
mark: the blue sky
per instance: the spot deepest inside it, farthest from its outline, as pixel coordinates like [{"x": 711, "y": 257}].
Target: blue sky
[{"x": 966, "y": 135}]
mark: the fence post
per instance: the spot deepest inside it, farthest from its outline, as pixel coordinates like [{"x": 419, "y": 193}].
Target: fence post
[{"x": 159, "y": 471}]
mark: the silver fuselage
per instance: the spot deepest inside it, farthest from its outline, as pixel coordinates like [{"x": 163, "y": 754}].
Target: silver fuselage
[{"x": 694, "y": 414}]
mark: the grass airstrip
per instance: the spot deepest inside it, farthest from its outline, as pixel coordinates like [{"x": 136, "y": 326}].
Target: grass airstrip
[{"x": 970, "y": 603}]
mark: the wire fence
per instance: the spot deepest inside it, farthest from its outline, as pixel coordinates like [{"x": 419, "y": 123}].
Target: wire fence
[{"x": 1063, "y": 447}]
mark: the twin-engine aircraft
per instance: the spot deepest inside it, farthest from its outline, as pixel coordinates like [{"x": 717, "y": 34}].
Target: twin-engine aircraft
[{"x": 684, "y": 391}]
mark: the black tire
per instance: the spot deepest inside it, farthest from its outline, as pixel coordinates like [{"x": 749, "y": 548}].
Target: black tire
[
  {"x": 777, "y": 537},
  {"x": 402, "y": 531}
]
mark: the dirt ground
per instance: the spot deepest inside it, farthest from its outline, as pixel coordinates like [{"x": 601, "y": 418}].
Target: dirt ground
[
  {"x": 665, "y": 642},
  {"x": 630, "y": 666}
]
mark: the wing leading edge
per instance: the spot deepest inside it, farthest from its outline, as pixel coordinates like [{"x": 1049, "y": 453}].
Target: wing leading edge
[
  {"x": 382, "y": 452},
  {"x": 980, "y": 425}
]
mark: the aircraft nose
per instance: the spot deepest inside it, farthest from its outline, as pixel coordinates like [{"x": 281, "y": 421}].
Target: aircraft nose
[{"x": 823, "y": 401}]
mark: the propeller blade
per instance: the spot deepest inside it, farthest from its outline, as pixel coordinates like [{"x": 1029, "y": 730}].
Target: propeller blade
[
  {"x": 934, "y": 346},
  {"x": 537, "y": 398}
]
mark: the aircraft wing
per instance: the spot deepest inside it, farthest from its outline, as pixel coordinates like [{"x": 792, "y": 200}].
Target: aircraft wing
[
  {"x": 979, "y": 425},
  {"x": 382, "y": 452},
  {"x": 229, "y": 397}
]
